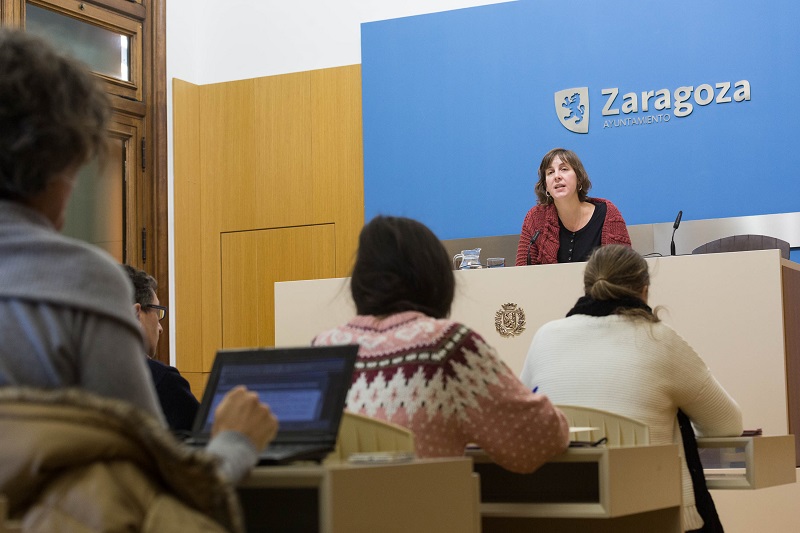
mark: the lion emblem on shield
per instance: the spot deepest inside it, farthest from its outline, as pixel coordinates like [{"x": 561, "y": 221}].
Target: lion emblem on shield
[{"x": 576, "y": 109}]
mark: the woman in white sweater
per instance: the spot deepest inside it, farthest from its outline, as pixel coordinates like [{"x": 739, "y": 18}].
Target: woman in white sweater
[{"x": 613, "y": 353}]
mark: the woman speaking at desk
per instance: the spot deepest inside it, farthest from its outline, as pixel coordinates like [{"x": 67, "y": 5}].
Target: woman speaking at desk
[{"x": 566, "y": 225}]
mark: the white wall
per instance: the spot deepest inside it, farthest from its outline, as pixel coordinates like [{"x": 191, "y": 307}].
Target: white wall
[
  {"x": 210, "y": 42},
  {"x": 207, "y": 43}
]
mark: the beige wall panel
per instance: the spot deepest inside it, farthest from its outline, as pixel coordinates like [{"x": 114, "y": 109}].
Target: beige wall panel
[
  {"x": 283, "y": 156},
  {"x": 338, "y": 157},
  {"x": 188, "y": 269},
  {"x": 252, "y": 261}
]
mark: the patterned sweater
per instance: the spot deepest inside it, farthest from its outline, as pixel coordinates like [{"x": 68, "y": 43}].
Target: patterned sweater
[
  {"x": 544, "y": 218},
  {"x": 441, "y": 380}
]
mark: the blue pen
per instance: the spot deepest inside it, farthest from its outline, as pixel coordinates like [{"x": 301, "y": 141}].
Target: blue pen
[{"x": 535, "y": 388}]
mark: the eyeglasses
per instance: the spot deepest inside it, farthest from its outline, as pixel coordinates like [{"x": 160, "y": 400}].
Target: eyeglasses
[{"x": 160, "y": 309}]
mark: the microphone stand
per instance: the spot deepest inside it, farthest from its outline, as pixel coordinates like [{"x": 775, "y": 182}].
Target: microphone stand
[
  {"x": 533, "y": 240},
  {"x": 674, "y": 229}
]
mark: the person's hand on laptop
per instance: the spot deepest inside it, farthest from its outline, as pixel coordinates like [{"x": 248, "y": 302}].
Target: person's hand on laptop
[{"x": 240, "y": 410}]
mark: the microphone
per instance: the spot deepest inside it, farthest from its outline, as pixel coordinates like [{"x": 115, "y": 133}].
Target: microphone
[
  {"x": 675, "y": 227},
  {"x": 533, "y": 240}
]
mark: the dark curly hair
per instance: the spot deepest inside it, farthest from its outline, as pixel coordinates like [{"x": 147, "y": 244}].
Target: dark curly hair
[
  {"x": 144, "y": 285},
  {"x": 401, "y": 266},
  {"x": 53, "y": 114},
  {"x": 569, "y": 157}
]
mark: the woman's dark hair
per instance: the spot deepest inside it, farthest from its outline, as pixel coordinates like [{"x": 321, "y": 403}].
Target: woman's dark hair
[
  {"x": 401, "y": 266},
  {"x": 569, "y": 157},
  {"x": 53, "y": 114}
]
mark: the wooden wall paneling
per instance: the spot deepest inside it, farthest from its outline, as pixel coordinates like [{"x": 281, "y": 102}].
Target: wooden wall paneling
[
  {"x": 270, "y": 256},
  {"x": 228, "y": 152},
  {"x": 227, "y": 190},
  {"x": 188, "y": 267},
  {"x": 11, "y": 13},
  {"x": 323, "y": 258},
  {"x": 283, "y": 157},
  {"x": 252, "y": 261},
  {"x": 283, "y": 152},
  {"x": 197, "y": 382},
  {"x": 290, "y": 254},
  {"x": 240, "y": 289},
  {"x": 338, "y": 157},
  {"x": 156, "y": 64}
]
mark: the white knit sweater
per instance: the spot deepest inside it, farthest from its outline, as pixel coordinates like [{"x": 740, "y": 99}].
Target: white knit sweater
[{"x": 637, "y": 369}]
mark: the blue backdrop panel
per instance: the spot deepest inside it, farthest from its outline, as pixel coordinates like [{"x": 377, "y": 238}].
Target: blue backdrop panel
[{"x": 459, "y": 107}]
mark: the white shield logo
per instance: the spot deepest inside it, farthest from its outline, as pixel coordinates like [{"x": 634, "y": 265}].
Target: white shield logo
[{"x": 572, "y": 108}]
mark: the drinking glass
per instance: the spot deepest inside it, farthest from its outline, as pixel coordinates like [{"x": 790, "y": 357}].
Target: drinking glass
[{"x": 494, "y": 262}]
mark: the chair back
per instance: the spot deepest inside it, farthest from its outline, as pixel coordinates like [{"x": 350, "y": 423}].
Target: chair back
[
  {"x": 741, "y": 243},
  {"x": 359, "y": 433},
  {"x": 617, "y": 429}
]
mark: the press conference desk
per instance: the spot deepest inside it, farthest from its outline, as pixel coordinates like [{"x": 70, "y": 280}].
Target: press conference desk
[
  {"x": 423, "y": 496},
  {"x": 740, "y": 311}
]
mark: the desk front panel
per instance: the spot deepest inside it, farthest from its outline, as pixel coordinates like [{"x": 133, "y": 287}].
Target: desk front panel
[{"x": 729, "y": 307}]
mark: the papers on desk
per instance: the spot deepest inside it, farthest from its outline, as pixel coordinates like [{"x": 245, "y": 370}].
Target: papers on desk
[
  {"x": 374, "y": 458},
  {"x": 725, "y": 473}
]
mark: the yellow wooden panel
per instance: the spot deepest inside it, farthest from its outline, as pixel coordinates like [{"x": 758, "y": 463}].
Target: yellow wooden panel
[
  {"x": 282, "y": 117},
  {"x": 197, "y": 382},
  {"x": 227, "y": 199},
  {"x": 277, "y": 152},
  {"x": 229, "y": 153},
  {"x": 251, "y": 264},
  {"x": 338, "y": 157},
  {"x": 240, "y": 284},
  {"x": 186, "y": 147}
]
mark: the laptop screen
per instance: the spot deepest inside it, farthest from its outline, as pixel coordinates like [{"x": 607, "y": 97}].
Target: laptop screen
[{"x": 304, "y": 387}]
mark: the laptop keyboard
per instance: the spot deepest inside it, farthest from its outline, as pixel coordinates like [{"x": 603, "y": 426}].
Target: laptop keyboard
[{"x": 278, "y": 452}]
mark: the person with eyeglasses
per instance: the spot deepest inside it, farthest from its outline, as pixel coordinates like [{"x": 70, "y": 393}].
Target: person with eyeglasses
[{"x": 174, "y": 393}]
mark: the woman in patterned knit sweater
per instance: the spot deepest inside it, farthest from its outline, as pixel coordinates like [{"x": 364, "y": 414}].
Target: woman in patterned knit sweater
[
  {"x": 613, "y": 353},
  {"x": 566, "y": 225},
  {"x": 434, "y": 376}
]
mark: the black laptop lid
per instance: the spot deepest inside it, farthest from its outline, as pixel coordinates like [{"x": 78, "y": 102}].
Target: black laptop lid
[{"x": 305, "y": 388}]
